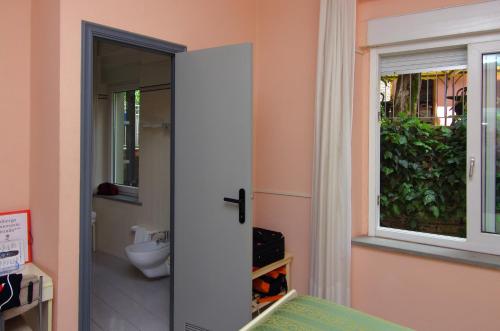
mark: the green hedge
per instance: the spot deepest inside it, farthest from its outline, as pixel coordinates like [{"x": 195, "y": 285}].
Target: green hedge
[{"x": 423, "y": 173}]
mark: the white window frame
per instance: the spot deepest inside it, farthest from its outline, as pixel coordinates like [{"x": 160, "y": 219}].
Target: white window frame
[
  {"x": 130, "y": 191},
  {"x": 476, "y": 240}
]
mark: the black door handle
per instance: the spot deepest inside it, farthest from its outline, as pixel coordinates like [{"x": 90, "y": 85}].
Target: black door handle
[{"x": 241, "y": 204}]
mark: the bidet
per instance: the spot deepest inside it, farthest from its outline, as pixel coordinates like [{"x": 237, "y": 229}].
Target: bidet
[{"x": 151, "y": 257}]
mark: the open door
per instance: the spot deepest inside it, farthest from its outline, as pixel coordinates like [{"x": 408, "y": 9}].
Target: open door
[{"x": 212, "y": 189}]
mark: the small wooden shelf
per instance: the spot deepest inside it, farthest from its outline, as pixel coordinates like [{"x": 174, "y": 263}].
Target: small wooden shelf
[{"x": 287, "y": 262}]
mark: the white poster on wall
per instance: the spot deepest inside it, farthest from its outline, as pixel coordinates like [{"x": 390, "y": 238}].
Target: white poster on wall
[{"x": 15, "y": 237}]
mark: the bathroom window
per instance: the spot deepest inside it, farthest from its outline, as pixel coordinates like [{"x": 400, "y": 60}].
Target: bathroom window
[{"x": 126, "y": 144}]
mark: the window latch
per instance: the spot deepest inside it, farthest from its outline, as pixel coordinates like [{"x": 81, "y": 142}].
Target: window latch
[{"x": 472, "y": 164}]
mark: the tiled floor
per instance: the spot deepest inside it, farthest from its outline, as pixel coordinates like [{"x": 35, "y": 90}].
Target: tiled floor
[{"x": 123, "y": 299}]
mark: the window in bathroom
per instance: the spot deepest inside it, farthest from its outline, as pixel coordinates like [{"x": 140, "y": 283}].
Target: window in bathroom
[{"x": 125, "y": 136}]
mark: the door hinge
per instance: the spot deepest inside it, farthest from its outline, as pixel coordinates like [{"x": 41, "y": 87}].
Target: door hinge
[
  {"x": 378, "y": 200},
  {"x": 379, "y": 116}
]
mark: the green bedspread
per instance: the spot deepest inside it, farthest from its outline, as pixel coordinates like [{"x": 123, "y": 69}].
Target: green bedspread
[{"x": 314, "y": 314}]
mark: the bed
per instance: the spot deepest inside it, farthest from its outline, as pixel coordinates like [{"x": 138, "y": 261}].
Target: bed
[{"x": 300, "y": 313}]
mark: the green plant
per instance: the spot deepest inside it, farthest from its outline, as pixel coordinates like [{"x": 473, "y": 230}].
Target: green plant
[{"x": 423, "y": 173}]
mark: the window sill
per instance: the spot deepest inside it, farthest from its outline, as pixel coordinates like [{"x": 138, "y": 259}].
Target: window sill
[
  {"x": 120, "y": 198},
  {"x": 435, "y": 252}
]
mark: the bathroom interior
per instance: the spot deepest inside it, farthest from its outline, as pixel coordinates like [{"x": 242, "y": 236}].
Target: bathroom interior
[{"x": 131, "y": 179}]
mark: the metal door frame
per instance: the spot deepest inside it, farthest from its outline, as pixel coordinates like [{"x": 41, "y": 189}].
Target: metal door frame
[{"x": 90, "y": 32}]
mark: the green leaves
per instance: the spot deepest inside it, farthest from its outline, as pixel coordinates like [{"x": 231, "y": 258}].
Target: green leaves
[
  {"x": 423, "y": 145},
  {"x": 435, "y": 211},
  {"x": 403, "y": 163},
  {"x": 395, "y": 209},
  {"x": 429, "y": 197},
  {"x": 423, "y": 174},
  {"x": 387, "y": 171}
]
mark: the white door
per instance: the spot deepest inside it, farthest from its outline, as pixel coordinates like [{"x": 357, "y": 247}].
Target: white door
[{"x": 213, "y": 161}]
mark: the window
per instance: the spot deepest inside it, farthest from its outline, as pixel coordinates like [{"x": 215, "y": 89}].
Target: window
[
  {"x": 423, "y": 151},
  {"x": 125, "y": 146},
  {"x": 491, "y": 143},
  {"x": 434, "y": 145}
]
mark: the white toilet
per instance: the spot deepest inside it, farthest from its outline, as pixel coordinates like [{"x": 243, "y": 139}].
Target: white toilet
[{"x": 152, "y": 257}]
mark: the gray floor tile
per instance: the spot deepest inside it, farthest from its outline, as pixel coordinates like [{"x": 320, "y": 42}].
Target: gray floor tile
[{"x": 123, "y": 297}]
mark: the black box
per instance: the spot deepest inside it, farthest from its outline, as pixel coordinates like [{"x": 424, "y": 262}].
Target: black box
[{"x": 268, "y": 247}]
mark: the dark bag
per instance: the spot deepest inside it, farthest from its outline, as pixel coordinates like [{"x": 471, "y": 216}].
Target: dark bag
[
  {"x": 268, "y": 247},
  {"x": 10, "y": 286},
  {"x": 107, "y": 189},
  {"x": 269, "y": 286}
]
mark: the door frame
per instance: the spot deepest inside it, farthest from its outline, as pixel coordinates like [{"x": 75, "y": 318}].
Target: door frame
[{"x": 90, "y": 31}]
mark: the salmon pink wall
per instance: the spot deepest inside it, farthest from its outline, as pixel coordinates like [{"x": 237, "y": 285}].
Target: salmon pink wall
[
  {"x": 418, "y": 292},
  {"x": 44, "y": 142},
  {"x": 14, "y": 104},
  {"x": 285, "y": 82},
  {"x": 425, "y": 294}
]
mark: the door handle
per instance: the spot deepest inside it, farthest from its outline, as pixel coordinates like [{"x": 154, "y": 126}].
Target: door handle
[
  {"x": 241, "y": 204},
  {"x": 472, "y": 164}
]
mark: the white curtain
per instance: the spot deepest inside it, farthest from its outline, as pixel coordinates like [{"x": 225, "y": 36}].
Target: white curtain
[{"x": 331, "y": 204}]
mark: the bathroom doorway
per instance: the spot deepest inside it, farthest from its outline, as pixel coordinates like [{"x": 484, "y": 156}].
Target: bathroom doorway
[
  {"x": 126, "y": 207},
  {"x": 131, "y": 187},
  {"x": 210, "y": 134}
]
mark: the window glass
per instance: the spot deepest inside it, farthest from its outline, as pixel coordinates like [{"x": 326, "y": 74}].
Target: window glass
[
  {"x": 423, "y": 120},
  {"x": 491, "y": 143},
  {"x": 126, "y": 121}
]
